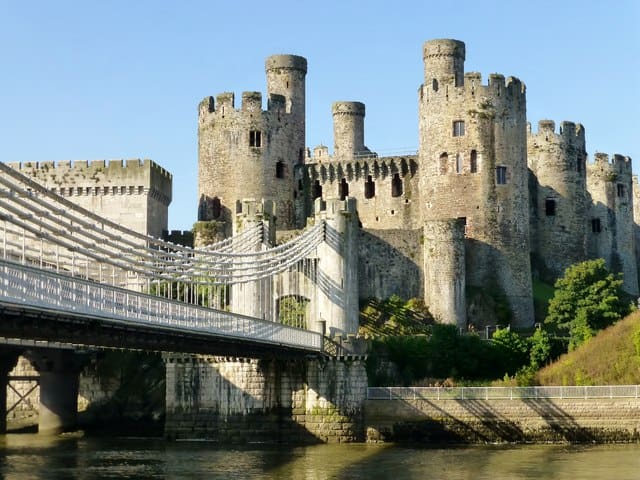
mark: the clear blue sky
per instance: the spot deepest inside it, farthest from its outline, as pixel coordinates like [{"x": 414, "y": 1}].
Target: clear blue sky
[{"x": 122, "y": 79}]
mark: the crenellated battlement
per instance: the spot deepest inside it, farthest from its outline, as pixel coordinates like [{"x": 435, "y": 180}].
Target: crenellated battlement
[
  {"x": 496, "y": 81},
  {"x": 569, "y": 133},
  {"x": 100, "y": 177},
  {"x": 616, "y": 164},
  {"x": 361, "y": 168},
  {"x": 251, "y": 103}
]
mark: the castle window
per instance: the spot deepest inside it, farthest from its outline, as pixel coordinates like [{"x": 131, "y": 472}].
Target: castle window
[
  {"x": 434, "y": 85},
  {"x": 458, "y": 163},
  {"x": 444, "y": 163},
  {"x": 595, "y": 225},
  {"x": 501, "y": 175},
  {"x": 396, "y": 185},
  {"x": 458, "y": 128},
  {"x": 255, "y": 138},
  {"x": 369, "y": 188},
  {"x": 317, "y": 190},
  {"x": 280, "y": 169},
  {"x": 550, "y": 207},
  {"x": 473, "y": 162},
  {"x": 343, "y": 189},
  {"x": 620, "y": 187}
]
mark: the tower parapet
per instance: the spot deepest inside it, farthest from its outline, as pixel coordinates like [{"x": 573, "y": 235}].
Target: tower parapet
[
  {"x": 472, "y": 163},
  {"x": 135, "y": 193},
  {"x": 611, "y": 232},
  {"x": 558, "y": 196}
]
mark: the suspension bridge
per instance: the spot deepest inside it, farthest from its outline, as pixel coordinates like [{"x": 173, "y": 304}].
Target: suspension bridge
[
  {"x": 71, "y": 276},
  {"x": 71, "y": 280}
]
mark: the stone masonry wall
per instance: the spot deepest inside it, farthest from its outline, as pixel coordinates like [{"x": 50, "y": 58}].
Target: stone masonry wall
[
  {"x": 390, "y": 263},
  {"x": 135, "y": 193},
  {"x": 277, "y": 401},
  {"x": 526, "y": 420}
]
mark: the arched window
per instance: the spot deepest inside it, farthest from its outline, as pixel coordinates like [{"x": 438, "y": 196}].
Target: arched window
[
  {"x": 280, "y": 169},
  {"x": 369, "y": 188},
  {"x": 396, "y": 185},
  {"x": 473, "y": 162},
  {"x": 343, "y": 189},
  {"x": 444, "y": 163}
]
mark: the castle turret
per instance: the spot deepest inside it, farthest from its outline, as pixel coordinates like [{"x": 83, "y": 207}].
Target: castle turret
[
  {"x": 611, "y": 232},
  {"x": 472, "y": 161},
  {"x": 348, "y": 130},
  {"x": 250, "y": 152},
  {"x": 444, "y": 63},
  {"x": 558, "y": 197}
]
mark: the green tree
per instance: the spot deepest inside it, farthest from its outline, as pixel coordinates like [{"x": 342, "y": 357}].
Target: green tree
[
  {"x": 588, "y": 298},
  {"x": 540, "y": 349}
]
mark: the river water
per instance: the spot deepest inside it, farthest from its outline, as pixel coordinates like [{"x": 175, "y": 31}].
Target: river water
[{"x": 29, "y": 456}]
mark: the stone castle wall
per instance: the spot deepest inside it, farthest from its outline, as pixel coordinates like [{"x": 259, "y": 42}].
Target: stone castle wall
[{"x": 135, "y": 193}]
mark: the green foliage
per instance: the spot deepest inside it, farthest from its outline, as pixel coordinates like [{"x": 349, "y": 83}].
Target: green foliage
[
  {"x": 636, "y": 341},
  {"x": 394, "y": 316},
  {"x": 588, "y": 298},
  {"x": 611, "y": 357},
  {"x": 446, "y": 354},
  {"x": 292, "y": 311},
  {"x": 542, "y": 294},
  {"x": 512, "y": 350},
  {"x": 540, "y": 348}
]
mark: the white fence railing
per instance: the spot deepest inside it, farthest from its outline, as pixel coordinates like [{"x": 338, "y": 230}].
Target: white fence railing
[
  {"x": 501, "y": 393},
  {"x": 49, "y": 291}
]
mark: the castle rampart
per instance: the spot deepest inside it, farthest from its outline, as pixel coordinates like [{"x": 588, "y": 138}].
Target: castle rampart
[{"x": 135, "y": 193}]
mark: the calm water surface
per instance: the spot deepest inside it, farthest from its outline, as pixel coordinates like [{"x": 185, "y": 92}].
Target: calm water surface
[{"x": 26, "y": 456}]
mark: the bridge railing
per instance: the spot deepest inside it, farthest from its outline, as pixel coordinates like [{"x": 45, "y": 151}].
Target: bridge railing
[
  {"x": 502, "y": 393},
  {"x": 58, "y": 293}
]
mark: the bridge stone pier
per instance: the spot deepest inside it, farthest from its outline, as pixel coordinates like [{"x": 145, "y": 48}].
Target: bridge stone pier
[
  {"x": 59, "y": 378},
  {"x": 240, "y": 400},
  {"x": 8, "y": 360}
]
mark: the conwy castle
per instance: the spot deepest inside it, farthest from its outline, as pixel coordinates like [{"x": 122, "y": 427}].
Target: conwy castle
[{"x": 486, "y": 204}]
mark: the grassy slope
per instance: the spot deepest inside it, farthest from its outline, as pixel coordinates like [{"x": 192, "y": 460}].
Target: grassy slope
[{"x": 609, "y": 358}]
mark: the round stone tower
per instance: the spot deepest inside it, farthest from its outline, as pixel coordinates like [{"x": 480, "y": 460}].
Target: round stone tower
[
  {"x": 610, "y": 231},
  {"x": 558, "y": 197},
  {"x": 472, "y": 164},
  {"x": 348, "y": 130},
  {"x": 250, "y": 153}
]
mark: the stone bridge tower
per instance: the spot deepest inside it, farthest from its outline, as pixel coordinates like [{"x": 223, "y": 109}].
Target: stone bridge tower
[
  {"x": 250, "y": 153},
  {"x": 473, "y": 166}
]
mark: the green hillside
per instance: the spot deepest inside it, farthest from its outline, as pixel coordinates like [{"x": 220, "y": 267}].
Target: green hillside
[{"x": 610, "y": 358}]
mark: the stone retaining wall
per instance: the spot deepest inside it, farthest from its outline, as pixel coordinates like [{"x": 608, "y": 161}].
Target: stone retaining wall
[{"x": 522, "y": 420}]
